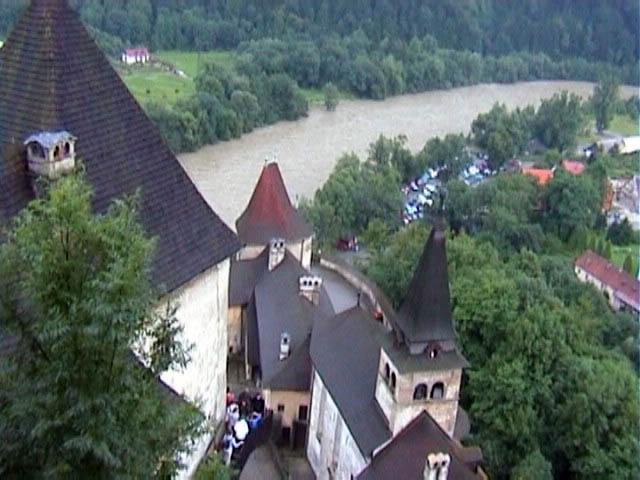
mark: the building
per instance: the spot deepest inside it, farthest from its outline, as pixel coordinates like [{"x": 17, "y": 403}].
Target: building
[
  {"x": 621, "y": 289},
  {"x": 381, "y": 392},
  {"x": 573, "y": 167},
  {"x": 61, "y": 102},
  {"x": 275, "y": 301},
  {"x": 542, "y": 175},
  {"x": 135, "y": 55},
  {"x": 629, "y": 145}
]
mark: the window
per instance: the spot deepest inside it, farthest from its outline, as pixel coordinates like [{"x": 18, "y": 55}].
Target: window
[
  {"x": 437, "y": 391},
  {"x": 56, "y": 151},
  {"x": 303, "y": 411},
  {"x": 387, "y": 372},
  {"x": 67, "y": 148},
  {"x": 280, "y": 408},
  {"x": 420, "y": 392},
  {"x": 393, "y": 382}
]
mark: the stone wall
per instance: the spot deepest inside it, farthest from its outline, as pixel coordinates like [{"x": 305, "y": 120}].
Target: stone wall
[
  {"x": 203, "y": 305},
  {"x": 330, "y": 445}
]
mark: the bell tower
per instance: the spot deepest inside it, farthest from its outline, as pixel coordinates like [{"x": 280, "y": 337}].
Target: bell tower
[{"x": 420, "y": 365}]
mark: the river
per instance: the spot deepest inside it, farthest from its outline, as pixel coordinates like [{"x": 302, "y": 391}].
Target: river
[{"x": 307, "y": 149}]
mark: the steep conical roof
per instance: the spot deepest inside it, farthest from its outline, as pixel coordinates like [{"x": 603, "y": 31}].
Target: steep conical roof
[
  {"x": 270, "y": 213},
  {"x": 425, "y": 313},
  {"x": 53, "y": 76}
]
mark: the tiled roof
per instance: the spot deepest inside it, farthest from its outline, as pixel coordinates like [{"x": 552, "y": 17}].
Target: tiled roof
[
  {"x": 425, "y": 313},
  {"x": 405, "y": 456},
  {"x": 573, "y": 167},
  {"x": 269, "y": 213},
  {"x": 625, "y": 286},
  {"x": 542, "y": 175},
  {"x": 54, "y": 77},
  {"x": 243, "y": 277}
]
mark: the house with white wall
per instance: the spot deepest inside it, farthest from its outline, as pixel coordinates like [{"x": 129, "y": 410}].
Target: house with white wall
[
  {"x": 378, "y": 381},
  {"x": 62, "y": 103}
]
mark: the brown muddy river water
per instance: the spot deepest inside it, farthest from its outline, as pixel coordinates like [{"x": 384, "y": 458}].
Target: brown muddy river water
[{"x": 307, "y": 149}]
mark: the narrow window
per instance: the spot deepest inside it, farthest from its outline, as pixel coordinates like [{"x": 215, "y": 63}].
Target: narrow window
[
  {"x": 280, "y": 408},
  {"x": 393, "y": 382},
  {"x": 437, "y": 391},
  {"x": 420, "y": 392},
  {"x": 302, "y": 412},
  {"x": 387, "y": 372}
]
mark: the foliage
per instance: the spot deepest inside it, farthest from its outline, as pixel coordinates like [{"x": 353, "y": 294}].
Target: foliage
[
  {"x": 558, "y": 121},
  {"x": 605, "y": 97},
  {"x": 214, "y": 469},
  {"x": 533, "y": 466},
  {"x": 621, "y": 233},
  {"x": 330, "y": 96},
  {"x": 76, "y": 296}
]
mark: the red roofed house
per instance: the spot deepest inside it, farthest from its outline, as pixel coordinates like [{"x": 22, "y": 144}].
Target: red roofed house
[
  {"x": 573, "y": 167},
  {"x": 542, "y": 175},
  {"x": 621, "y": 289},
  {"x": 135, "y": 55}
]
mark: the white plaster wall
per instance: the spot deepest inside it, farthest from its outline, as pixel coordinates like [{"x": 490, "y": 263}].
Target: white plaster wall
[
  {"x": 203, "y": 304},
  {"x": 345, "y": 459}
]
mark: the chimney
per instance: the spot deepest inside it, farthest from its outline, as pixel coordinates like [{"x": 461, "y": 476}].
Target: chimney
[
  {"x": 51, "y": 154},
  {"x": 276, "y": 252},
  {"x": 437, "y": 466},
  {"x": 310, "y": 288},
  {"x": 285, "y": 346}
]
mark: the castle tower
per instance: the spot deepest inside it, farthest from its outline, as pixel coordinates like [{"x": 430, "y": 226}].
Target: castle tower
[
  {"x": 270, "y": 215},
  {"x": 420, "y": 365}
]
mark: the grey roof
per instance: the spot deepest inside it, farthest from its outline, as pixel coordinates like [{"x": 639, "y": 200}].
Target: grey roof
[
  {"x": 244, "y": 275},
  {"x": 463, "y": 424},
  {"x": 345, "y": 354},
  {"x": 425, "y": 313},
  {"x": 405, "y": 456},
  {"x": 278, "y": 309},
  {"x": 405, "y": 362},
  {"x": 48, "y": 139}
]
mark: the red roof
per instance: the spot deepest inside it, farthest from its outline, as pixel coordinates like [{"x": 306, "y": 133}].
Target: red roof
[
  {"x": 136, "y": 52},
  {"x": 270, "y": 213},
  {"x": 625, "y": 286},
  {"x": 573, "y": 167},
  {"x": 542, "y": 175}
]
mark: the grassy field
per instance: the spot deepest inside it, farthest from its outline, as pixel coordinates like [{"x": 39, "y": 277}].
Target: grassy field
[
  {"x": 624, "y": 124},
  {"x": 189, "y": 62},
  {"x": 619, "y": 253}
]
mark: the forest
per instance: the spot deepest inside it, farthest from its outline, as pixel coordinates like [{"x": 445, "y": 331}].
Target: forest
[{"x": 552, "y": 387}]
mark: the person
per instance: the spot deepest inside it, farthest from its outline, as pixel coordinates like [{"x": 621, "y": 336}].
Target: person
[
  {"x": 230, "y": 396},
  {"x": 243, "y": 400},
  {"x": 233, "y": 414},
  {"x": 254, "y": 420},
  {"x": 241, "y": 429},
  {"x": 227, "y": 445},
  {"x": 257, "y": 404}
]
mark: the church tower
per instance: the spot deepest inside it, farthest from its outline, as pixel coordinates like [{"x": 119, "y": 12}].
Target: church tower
[{"x": 420, "y": 365}]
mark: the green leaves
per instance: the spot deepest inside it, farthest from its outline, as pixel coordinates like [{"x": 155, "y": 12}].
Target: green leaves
[{"x": 76, "y": 294}]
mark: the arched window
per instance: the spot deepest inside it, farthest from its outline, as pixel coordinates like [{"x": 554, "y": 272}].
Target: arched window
[
  {"x": 437, "y": 391},
  {"x": 387, "y": 372},
  {"x": 420, "y": 392},
  {"x": 393, "y": 381},
  {"x": 67, "y": 148},
  {"x": 56, "y": 152}
]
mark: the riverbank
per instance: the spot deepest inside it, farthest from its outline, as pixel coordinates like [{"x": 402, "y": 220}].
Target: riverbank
[{"x": 307, "y": 149}]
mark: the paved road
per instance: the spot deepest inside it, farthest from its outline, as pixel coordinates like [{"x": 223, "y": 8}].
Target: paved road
[{"x": 260, "y": 466}]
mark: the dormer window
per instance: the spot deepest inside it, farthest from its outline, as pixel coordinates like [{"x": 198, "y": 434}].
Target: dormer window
[
  {"x": 393, "y": 382},
  {"x": 50, "y": 154},
  {"x": 420, "y": 392},
  {"x": 432, "y": 350}
]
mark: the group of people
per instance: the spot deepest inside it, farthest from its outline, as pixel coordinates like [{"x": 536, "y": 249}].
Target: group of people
[{"x": 243, "y": 415}]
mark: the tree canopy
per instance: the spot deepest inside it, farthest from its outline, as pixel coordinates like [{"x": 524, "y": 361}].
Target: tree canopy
[{"x": 75, "y": 301}]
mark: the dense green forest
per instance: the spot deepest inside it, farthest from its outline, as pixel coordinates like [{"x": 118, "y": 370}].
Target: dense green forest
[{"x": 552, "y": 387}]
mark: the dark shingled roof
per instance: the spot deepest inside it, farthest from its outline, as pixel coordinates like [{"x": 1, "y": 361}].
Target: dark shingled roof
[
  {"x": 345, "y": 354},
  {"x": 425, "y": 313},
  {"x": 405, "y": 456},
  {"x": 270, "y": 213},
  {"x": 279, "y": 308},
  {"x": 54, "y": 77},
  {"x": 243, "y": 277}
]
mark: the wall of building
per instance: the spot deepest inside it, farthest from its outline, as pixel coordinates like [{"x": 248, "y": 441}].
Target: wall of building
[
  {"x": 330, "y": 445},
  {"x": 399, "y": 406},
  {"x": 291, "y": 401},
  {"x": 234, "y": 329},
  {"x": 203, "y": 305},
  {"x": 613, "y": 299}
]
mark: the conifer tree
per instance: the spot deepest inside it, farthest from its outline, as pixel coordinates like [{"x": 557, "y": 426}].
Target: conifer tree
[{"x": 75, "y": 298}]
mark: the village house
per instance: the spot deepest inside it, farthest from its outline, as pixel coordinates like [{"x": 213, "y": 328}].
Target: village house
[
  {"x": 134, "y": 55},
  {"x": 385, "y": 392},
  {"x": 542, "y": 175},
  {"x": 274, "y": 301},
  {"x": 62, "y": 104},
  {"x": 621, "y": 289}
]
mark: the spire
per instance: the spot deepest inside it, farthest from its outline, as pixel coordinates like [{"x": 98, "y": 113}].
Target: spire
[
  {"x": 425, "y": 313},
  {"x": 270, "y": 213}
]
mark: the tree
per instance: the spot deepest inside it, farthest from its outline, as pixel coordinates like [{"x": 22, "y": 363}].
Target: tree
[
  {"x": 534, "y": 466},
  {"x": 628, "y": 265},
  {"x": 559, "y": 120},
  {"x": 330, "y": 96},
  {"x": 604, "y": 100},
  {"x": 621, "y": 233},
  {"x": 75, "y": 298}
]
